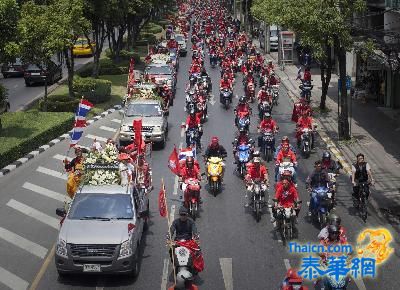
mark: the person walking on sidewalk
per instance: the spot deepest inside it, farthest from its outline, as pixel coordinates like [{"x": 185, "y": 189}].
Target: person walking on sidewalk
[{"x": 361, "y": 173}]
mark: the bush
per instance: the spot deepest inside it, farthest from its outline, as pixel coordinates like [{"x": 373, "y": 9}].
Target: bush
[
  {"x": 141, "y": 42},
  {"x": 84, "y": 87},
  {"x": 3, "y": 93},
  {"x": 26, "y": 131},
  {"x": 124, "y": 55},
  {"x": 151, "y": 38},
  {"x": 152, "y": 27},
  {"x": 107, "y": 67},
  {"x": 60, "y": 103},
  {"x": 163, "y": 23}
]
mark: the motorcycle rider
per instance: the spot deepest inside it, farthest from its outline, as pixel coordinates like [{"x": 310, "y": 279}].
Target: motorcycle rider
[
  {"x": 225, "y": 83},
  {"x": 333, "y": 219},
  {"x": 287, "y": 197},
  {"x": 292, "y": 279},
  {"x": 264, "y": 95},
  {"x": 186, "y": 172},
  {"x": 242, "y": 106},
  {"x": 328, "y": 163},
  {"x": 273, "y": 81},
  {"x": 216, "y": 150},
  {"x": 267, "y": 124},
  {"x": 298, "y": 109},
  {"x": 361, "y": 172},
  {"x": 318, "y": 178},
  {"x": 193, "y": 122},
  {"x": 192, "y": 85},
  {"x": 307, "y": 75},
  {"x": 305, "y": 121},
  {"x": 256, "y": 171},
  {"x": 183, "y": 227},
  {"x": 286, "y": 155},
  {"x": 241, "y": 138}
]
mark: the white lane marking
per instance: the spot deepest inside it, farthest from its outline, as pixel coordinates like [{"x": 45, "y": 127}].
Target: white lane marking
[
  {"x": 33, "y": 213},
  {"x": 62, "y": 157},
  {"x": 172, "y": 214},
  {"x": 116, "y": 121},
  {"x": 287, "y": 264},
  {"x": 51, "y": 172},
  {"x": 97, "y": 138},
  {"x": 164, "y": 279},
  {"x": 180, "y": 145},
  {"x": 109, "y": 129},
  {"x": 100, "y": 283},
  {"x": 23, "y": 243},
  {"x": 360, "y": 284},
  {"x": 44, "y": 191},
  {"x": 182, "y": 132},
  {"x": 176, "y": 185},
  {"x": 12, "y": 281},
  {"x": 226, "y": 267}
]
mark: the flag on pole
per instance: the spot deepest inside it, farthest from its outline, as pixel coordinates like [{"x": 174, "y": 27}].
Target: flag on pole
[
  {"x": 137, "y": 128},
  {"x": 173, "y": 162},
  {"x": 162, "y": 202},
  {"x": 80, "y": 121},
  {"x": 187, "y": 152}
]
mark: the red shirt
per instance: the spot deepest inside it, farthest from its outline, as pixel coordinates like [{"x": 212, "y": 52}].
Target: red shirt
[
  {"x": 189, "y": 173},
  {"x": 225, "y": 84},
  {"x": 242, "y": 108},
  {"x": 307, "y": 76},
  {"x": 305, "y": 122},
  {"x": 253, "y": 173},
  {"x": 192, "y": 122},
  {"x": 286, "y": 198},
  {"x": 268, "y": 124},
  {"x": 243, "y": 139},
  {"x": 286, "y": 155}
]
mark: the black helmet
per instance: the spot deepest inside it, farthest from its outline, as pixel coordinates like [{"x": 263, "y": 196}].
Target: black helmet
[
  {"x": 334, "y": 219},
  {"x": 242, "y": 100},
  {"x": 332, "y": 229},
  {"x": 183, "y": 211},
  {"x": 326, "y": 155}
]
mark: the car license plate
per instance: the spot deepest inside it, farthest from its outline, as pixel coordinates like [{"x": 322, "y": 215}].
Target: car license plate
[
  {"x": 91, "y": 268},
  {"x": 35, "y": 74}
]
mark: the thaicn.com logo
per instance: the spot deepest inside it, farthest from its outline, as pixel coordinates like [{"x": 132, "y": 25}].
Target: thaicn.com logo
[{"x": 338, "y": 262}]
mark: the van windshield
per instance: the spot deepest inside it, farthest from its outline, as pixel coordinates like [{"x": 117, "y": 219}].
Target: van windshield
[{"x": 273, "y": 33}]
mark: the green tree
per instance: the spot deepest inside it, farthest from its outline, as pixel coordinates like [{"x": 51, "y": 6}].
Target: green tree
[
  {"x": 9, "y": 14},
  {"x": 321, "y": 26}
]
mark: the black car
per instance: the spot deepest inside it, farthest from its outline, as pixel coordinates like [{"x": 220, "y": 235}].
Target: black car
[
  {"x": 37, "y": 73},
  {"x": 13, "y": 69}
]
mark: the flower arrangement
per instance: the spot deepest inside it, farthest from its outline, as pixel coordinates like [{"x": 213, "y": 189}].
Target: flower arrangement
[{"x": 160, "y": 58}]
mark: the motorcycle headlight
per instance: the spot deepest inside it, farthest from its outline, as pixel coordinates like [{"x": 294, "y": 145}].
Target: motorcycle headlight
[
  {"x": 61, "y": 249},
  {"x": 126, "y": 249},
  {"x": 125, "y": 128}
]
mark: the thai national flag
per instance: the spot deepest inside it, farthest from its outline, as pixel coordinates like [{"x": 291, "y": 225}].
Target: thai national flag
[
  {"x": 80, "y": 121},
  {"x": 186, "y": 152}
]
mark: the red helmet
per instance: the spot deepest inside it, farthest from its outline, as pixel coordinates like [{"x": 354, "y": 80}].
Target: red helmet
[{"x": 293, "y": 277}]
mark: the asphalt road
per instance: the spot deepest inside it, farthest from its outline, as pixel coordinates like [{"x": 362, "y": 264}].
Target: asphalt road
[{"x": 239, "y": 253}]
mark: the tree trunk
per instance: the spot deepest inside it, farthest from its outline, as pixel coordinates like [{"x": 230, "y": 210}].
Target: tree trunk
[
  {"x": 69, "y": 61},
  {"x": 129, "y": 38},
  {"x": 100, "y": 36},
  {"x": 344, "y": 131},
  {"x": 326, "y": 67}
]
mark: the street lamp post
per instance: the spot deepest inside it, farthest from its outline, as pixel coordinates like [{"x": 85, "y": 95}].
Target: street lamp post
[{"x": 45, "y": 94}]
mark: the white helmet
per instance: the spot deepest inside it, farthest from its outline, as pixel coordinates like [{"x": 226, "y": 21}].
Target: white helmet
[{"x": 181, "y": 277}]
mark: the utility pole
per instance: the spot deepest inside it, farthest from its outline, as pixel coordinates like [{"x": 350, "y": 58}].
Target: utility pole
[{"x": 267, "y": 38}]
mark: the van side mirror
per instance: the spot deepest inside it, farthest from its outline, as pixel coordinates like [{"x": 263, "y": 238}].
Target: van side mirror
[{"x": 61, "y": 212}]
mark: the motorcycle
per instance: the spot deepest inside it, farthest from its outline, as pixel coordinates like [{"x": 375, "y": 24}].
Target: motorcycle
[
  {"x": 267, "y": 141},
  {"x": 306, "y": 142},
  {"x": 243, "y": 154},
  {"x": 190, "y": 101},
  {"x": 306, "y": 88},
  {"x": 250, "y": 92},
  {"x": 206, "y": 84},
  {"x": 285, "y": 222},
  {"x": 192, "y": 136},
  {"x": 193, "y": 196},
  {"x": 213, "y": 60},
  {"x": 322, "y": 205},
  {"x": 243, "y": 121},
  {"x": 286, "y": 168},
  {"x": 275, "y": 94},
  {"x": 214, "y": 173},
  {"x": 257, "y": 189},
  {"x": 225, "y": 97},
  {"x": 264, "y": 107}
]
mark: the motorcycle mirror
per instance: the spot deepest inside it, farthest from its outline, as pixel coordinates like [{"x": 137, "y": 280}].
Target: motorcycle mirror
[{"x": 203, "y": 174}]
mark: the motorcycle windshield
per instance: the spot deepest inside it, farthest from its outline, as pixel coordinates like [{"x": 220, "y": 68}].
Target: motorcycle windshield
[
  {"x": 244, "y": 153},
  {"x": 243, "y": 121}
]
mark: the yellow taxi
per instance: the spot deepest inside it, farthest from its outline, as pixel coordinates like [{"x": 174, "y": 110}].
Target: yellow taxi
[{"x": 82, "y": 47}]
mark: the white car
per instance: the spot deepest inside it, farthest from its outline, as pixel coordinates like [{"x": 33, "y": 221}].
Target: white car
[{"x": 180, "y": 38}]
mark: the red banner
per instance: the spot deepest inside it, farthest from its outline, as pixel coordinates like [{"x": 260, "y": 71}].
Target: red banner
[
  {"x": 162, "y": 203},
  {"x": 173, "y": 162},
  {"x": 137, "y": 127}
]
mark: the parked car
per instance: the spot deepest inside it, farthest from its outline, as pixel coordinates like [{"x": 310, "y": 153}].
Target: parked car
[
  {"x": 102, "y": 231},
  {"x": 13, "y": 69},
  {"x": 180, "y": 38},
  {"x": 83, "y": 48},
  {"x": 154, "y": 122},
  {"x": 37, "y": 73},
  {"x": 161, "y": 73},
  {"x": 273, "y": 37}
]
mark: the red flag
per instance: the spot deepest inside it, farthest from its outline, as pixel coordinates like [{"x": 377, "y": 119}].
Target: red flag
[
  {"x": 137, "y": 127},
  {"x": 173, "y": 162},
  {"x": 162, "y": 203}
]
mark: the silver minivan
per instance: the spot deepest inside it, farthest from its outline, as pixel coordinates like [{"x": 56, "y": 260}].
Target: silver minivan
[{"x": 102, "y": 231}]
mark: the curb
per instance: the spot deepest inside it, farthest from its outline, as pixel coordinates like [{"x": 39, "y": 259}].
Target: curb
[{"x": 7, "y": 169}]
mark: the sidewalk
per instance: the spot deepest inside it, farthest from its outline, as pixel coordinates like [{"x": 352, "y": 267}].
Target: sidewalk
[{"x": 375, "y": 131}]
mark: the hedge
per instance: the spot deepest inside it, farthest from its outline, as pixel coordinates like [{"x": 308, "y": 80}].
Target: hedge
[
  {"x": 107, "y": 67},
  {"x": 60, "y": 103},
  {"x": 84, "y": 87},
  {"x": 151, "y": 38},
  {"x": 152, "y": 27},
  {"x": 124, "y": 55},
  {"x": 24, "y": 132}
]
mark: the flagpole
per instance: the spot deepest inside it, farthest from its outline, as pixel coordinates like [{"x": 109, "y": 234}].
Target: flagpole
[{"x": 169, "y": 230}]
